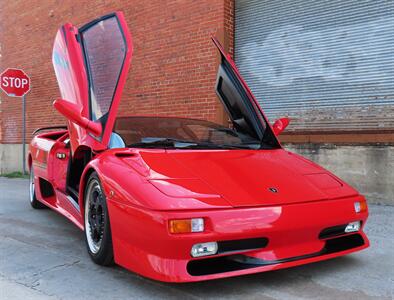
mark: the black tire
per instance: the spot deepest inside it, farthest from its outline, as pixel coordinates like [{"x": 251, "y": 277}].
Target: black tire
[
  {"x": 97, "y": 225},
  {"x": 32, "y": 192}
]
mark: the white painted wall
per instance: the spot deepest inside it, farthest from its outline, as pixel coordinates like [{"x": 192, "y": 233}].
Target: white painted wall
[
  {"x": 11, "y": 158},
  {"x": 369, "y": 169}
]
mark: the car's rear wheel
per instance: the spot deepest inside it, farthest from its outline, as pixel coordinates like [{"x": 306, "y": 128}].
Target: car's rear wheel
[
  {"x": 32, "y": 192},
  {"x": 97, "y": 226}
]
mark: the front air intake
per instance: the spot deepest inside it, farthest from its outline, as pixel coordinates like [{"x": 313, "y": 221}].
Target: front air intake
[{"x": 236, "y": 262}]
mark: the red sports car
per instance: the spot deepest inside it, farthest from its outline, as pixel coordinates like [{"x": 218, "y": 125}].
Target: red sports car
[{"x": 179, "y": 199}]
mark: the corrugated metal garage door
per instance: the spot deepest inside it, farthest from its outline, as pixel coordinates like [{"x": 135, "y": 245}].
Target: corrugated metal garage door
[{"x": 326, "y": 64}]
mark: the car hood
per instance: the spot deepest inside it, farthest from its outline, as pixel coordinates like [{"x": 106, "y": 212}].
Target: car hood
[{"x": 244, "y": 178}]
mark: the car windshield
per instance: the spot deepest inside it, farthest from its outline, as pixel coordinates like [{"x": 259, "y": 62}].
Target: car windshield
[{"x": 173, "y": 132}]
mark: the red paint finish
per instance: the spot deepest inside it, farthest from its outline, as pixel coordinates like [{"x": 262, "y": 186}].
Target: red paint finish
[
  {"x": 280, "y": 125},
  {"x": 164, "y": 256},
  {"x": 73, "y": 113},
  {"x": 70, "y": 64},
  {"x": 240, "y": 194}
]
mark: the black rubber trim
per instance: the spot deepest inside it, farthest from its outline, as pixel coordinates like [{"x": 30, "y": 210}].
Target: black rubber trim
[
  {"x": 97, "y": 20},
  {"x": 48, "y": 128},
  {"x": 242, "y": 245},
  {"x": 237, "y": 262},
  {"x": 46, "y": 188},
  {"x": 332, "y": 231}
]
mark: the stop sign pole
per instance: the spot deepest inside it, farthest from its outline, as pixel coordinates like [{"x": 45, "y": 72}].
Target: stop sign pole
[
  {"x": 15, "y": 83},
  {"x": 24, "y": 133}
]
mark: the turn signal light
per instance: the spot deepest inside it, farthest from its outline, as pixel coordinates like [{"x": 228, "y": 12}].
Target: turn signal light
[
  {"x": 360, "y": 206},
  {"x": 186, "y": 225}
]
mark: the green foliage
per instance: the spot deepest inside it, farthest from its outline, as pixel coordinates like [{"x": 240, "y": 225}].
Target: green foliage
[{"x": 14, "y": 175}]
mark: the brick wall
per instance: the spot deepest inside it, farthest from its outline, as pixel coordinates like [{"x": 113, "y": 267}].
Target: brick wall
[{"x": 173, "y": 69}]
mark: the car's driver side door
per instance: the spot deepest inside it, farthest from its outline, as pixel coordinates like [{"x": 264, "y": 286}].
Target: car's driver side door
[{"x": 91, "y": 65}]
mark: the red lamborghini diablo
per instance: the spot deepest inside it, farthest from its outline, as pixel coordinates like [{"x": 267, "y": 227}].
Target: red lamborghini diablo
[{"x": 181, "y": 199}]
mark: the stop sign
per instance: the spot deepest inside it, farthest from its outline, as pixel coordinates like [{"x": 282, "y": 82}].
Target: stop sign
[{"x": 14, "y": 82}]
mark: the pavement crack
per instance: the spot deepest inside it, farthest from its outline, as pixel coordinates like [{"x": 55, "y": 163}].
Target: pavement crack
[
  {"x": 29, "y": 286},
  {"x": 36, "y": 282},
  {"x": 65, "y": 265},
  {"x": 41, "y": 246}
]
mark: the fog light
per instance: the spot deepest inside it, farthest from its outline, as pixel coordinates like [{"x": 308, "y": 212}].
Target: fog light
[
  {"x": 353, "y": 226},
  {"x": 186, "y": 225},
  {"x": 204, "y": 249}
]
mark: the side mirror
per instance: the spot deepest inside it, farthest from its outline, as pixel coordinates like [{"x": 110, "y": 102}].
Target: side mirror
[
  {"x": 280, "y": 125},
  {"x": 73, "y": 112}
]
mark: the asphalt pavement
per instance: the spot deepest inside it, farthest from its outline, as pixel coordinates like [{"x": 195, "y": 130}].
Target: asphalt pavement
[{"x": 43, "y": 256}]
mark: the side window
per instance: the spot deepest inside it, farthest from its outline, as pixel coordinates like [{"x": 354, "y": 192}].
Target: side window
[{"x": 105, "y": 50}]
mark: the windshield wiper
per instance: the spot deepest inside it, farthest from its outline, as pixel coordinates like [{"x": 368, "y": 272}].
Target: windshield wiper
[
  {"x": 178, "y": 143},
  {"x": 216, "y": 146},
  {"x": 166, "y": 142}
]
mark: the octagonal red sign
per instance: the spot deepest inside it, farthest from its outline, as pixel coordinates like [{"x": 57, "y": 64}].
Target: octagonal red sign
[{"x": 14, "y": 82}]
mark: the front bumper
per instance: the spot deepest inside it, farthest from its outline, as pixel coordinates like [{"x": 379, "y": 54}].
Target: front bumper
[{"x": 143, "y": 244}]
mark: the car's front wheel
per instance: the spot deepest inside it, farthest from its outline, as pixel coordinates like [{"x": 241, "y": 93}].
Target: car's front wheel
[
  {"x": 32, "y": 192},
  {"x": 97, "y": 226}
]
